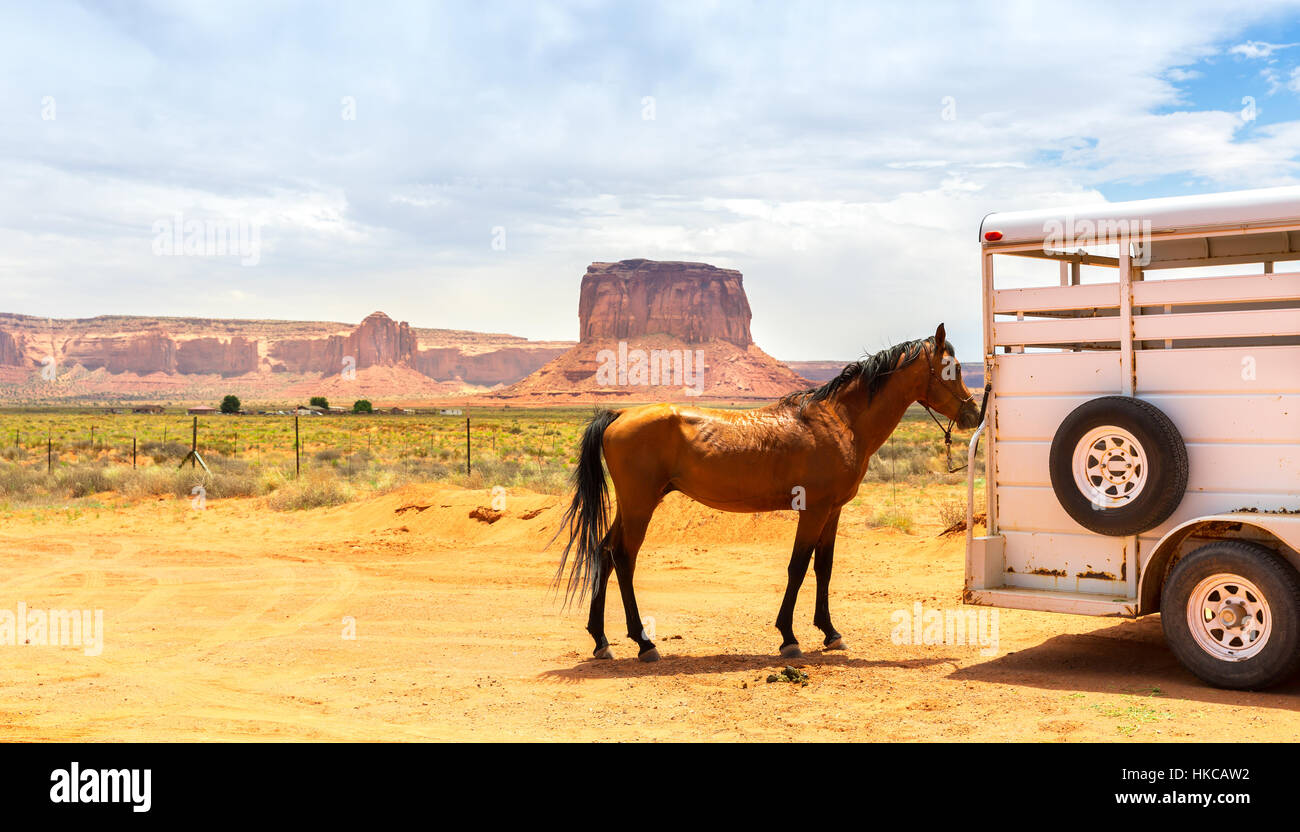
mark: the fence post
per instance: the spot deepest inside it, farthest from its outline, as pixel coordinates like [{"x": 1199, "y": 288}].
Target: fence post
[
  {"x": 194, "y": 443},
  {"x": 133, "y": 452},
  {"x": 467, "y": 465},
  {"x": 49, "y": 452},
  {"x": 297, "y": 460}
]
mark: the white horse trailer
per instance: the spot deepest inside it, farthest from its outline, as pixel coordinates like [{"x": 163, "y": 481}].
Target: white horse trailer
[{"x": 1142, "y": 433}]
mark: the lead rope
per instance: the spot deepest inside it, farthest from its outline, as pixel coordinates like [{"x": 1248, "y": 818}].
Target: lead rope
[{"x": 947, "y": 431}]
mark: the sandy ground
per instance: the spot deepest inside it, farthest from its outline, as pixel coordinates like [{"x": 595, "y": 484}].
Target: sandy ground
[{"x": 229, "y": 623}]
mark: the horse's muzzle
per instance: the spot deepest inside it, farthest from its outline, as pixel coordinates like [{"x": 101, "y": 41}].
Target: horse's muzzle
[{"x": 969, "y": 418}]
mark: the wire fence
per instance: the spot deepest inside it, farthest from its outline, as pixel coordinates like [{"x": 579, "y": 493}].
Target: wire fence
[{"x": 300, "y": 441}]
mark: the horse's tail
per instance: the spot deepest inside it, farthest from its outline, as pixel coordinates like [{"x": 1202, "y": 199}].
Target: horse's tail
[{"x": 586, "y": 517}]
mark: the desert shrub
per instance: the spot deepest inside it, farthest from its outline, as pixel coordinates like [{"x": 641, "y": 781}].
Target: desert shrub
[
  {"x": 19, "y": 483},
  {"x": 232, "y": 483},
  {"x": 420, "y": 469},
  {"x": 952, "y": 512},
  {"x": 160, "y": 452},
  {"x": 82, "y": 480},
  {"x": 317, "y": 489},
  {"x": 154, "y": 481},
  {"x": 893, "y": 517}
]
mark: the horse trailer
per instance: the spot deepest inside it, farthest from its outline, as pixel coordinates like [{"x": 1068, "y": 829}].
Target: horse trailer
[{"x": 1142, "y": 430}]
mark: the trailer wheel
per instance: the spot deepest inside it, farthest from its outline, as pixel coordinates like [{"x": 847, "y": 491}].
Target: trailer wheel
[
  {"x": 1231, "y": 614},
  {"x": 1118, "y": 465}
]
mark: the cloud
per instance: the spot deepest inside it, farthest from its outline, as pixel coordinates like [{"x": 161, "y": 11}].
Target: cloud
[
  {"x": 841, "y": 157},
  {"x": 1258, "y": 49}
]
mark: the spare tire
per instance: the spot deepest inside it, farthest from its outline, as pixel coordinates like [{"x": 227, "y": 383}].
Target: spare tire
[{"x": 1118, "y": 466}]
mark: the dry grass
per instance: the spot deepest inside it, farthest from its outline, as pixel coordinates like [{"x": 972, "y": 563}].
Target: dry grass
[{"x": 345, "y": 457}]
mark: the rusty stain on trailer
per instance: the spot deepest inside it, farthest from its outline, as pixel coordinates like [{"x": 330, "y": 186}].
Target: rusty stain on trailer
[{"x": 1097, "y": 576}]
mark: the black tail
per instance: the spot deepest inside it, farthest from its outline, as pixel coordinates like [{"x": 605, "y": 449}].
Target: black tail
[{"x": 586, "y": 517}]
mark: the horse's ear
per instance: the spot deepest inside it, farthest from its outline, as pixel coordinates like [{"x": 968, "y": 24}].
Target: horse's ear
[{"x": 939, "y": 339}]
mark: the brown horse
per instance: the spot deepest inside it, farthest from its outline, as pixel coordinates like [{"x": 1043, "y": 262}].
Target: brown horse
[{"x": 807, "y": 451}]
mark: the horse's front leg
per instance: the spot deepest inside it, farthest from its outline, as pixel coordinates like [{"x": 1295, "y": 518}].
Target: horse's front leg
[
  {"x": 806, "y": 536},
  {"x": 822, "y": 563}
]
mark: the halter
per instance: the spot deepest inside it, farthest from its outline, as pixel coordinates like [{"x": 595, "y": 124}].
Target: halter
[{"x": 947, "y": 431}]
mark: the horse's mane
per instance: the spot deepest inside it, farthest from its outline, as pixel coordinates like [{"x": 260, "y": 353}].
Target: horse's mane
[{"x": 873, "y": 371}]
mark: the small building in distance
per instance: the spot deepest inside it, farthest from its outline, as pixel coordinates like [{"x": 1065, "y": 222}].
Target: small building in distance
[
  {"x": 451, "y": 411},
  {"x": 148, "y": 408},
  {"x": 202, "y": 410}
]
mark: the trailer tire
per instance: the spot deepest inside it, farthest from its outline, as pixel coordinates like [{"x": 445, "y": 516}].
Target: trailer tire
[
  {"x": 1231, "y": 614},
  {"x": 1118, "y": 466}
]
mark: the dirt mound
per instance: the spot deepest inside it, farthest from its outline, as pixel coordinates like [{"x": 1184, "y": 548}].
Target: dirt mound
[
  {"x": 479, "y": 516},
  {"x": 726, "y": 371}
]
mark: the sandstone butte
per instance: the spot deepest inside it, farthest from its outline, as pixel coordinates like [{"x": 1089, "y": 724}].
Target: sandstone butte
[
  {"x": 645, "y": 306},
  {"x": 129, "y": 358}
]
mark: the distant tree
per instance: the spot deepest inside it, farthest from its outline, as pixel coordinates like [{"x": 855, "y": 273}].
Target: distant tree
[
  {"x": 230, "y": 404},
  {"x": 362, "y": 406},
  {"x": 321, "y": 402}
]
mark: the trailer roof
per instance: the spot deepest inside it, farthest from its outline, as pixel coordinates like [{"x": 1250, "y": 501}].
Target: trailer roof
[{"x": 1208, "y": 212}]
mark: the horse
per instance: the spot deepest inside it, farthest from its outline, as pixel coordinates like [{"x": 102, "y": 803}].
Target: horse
[{"x": 809, "y": 450}]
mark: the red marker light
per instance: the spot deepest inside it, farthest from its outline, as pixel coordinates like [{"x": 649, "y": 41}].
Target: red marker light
[{"x": 992, "y": 236}]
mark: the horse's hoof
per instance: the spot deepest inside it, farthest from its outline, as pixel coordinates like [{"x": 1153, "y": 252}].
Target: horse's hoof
[
  {"x": 651, "y": 655},
  {"x": 791, "y": 651},
  {"x": 837, "y": 644},
  {"x": 603, "y": 653}
]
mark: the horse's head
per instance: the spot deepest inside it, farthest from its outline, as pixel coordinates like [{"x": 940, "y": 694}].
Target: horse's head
[{"x": 945, "y": 391}]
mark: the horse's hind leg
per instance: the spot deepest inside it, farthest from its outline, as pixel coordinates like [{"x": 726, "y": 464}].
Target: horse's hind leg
[
  {"x": 634, "y": 527},
  {"x": 596, "y": 621},
  {"x": 806, "y": 536},
  {"x": 822, "y": 565}
]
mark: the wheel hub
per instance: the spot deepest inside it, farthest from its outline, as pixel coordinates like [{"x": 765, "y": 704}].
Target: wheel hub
[
  {"x": 1233, "y": 616},
  {"x": 1109, "y": 467},
  {"x": 1229, "y": 617}
]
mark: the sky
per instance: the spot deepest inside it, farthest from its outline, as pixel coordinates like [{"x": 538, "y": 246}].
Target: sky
[{"x": 458, "y": 165}]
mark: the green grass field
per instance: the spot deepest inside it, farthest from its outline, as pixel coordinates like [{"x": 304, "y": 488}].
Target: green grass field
[{"x": 49, "y": 457}]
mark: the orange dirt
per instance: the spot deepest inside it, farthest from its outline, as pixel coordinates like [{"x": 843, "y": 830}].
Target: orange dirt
[{"x": 228, "y": 623}]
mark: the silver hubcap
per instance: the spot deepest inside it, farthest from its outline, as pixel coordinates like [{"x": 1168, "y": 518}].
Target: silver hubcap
[
  {"x": 1229, "y": 617},
  {"x": 1110, "y": 467}
]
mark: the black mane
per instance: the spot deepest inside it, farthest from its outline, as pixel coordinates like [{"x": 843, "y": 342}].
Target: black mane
[{"x": 873, "y": 371}]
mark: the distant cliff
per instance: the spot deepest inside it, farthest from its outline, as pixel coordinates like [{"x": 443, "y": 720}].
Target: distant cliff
[
  {"x": 121, "y": 351},
  {"x": 693, "y": 302}
]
